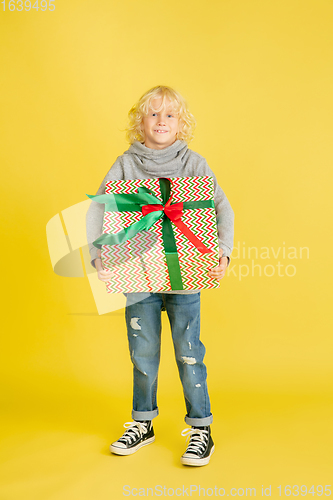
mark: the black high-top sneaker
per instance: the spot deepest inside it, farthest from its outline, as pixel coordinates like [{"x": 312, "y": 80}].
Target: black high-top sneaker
[
  {"x": 200, "y": 447},
  {"x": 138, "y": 434}
]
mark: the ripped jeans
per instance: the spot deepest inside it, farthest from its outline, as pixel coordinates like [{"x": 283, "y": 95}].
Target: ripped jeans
[{"x": 143, "y": 320}]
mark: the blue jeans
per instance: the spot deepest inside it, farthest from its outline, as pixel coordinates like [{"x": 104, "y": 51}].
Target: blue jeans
[{"x": 143, "y": 320}]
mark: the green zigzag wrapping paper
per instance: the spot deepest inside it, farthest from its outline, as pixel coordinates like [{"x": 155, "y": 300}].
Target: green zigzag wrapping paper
[{"x": 140, "y": 264}]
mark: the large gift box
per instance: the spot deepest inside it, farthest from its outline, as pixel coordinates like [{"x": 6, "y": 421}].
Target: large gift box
[{"x": 159, "y": 234}]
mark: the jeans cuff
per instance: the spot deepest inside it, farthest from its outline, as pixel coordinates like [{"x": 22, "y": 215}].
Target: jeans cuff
[
  {"x": 144, "y": 415},
  {"x": 199, "y": 422}
]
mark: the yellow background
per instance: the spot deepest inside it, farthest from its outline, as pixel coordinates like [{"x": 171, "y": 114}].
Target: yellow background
[{"x": 258, "y": 78}]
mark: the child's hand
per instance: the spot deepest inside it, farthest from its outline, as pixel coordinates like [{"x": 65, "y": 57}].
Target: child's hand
[
  {"x": 103, "y": 274},
  {"x": 218, "y": 272}
]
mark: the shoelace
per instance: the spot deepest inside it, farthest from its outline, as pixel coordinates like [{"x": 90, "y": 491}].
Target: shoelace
[
  {"x": 198, "y": 440},
  {"x": 134, "y": 430}
]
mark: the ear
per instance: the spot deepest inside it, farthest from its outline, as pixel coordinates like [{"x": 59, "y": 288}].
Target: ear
[
  {"x": 180, "y": 124},
  {"x": 142, "y": 132}
]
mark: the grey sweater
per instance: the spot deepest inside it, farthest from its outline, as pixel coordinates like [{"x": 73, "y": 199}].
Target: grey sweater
[{"x": 177, "y": 160}]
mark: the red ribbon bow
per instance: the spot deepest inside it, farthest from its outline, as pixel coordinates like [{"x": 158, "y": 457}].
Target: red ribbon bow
[{"x": 174, "y": 213}]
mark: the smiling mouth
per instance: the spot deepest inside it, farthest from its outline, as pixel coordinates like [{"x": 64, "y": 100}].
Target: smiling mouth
[{"x": 161, "y": 131}]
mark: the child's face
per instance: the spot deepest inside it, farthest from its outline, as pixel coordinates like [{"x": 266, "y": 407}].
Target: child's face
[{"x": 160, "y": 127}]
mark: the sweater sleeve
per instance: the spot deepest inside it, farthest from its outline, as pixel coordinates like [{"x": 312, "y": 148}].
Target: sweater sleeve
[
  {"x": 95, "y": 213},
  {"x": 224, "y": 214}
]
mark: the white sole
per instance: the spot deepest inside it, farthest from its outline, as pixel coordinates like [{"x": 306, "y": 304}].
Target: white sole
[
  {"x": 129, "y": 451},
  {"x": 196, "y": 462}
]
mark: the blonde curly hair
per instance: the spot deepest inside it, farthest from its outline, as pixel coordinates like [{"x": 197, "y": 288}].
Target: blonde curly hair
[{"x": 187, "y": 121}]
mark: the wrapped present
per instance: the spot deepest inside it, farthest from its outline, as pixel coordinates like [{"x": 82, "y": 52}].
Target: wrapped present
[{"x": 159, "y": 234}]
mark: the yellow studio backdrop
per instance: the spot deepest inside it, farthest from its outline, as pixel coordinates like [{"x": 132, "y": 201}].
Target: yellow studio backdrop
[{"x": 258, "y": 78}]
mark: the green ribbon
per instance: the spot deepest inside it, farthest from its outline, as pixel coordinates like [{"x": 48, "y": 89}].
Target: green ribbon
[
  {"x": 134, "y": 203},
  {"x": 169, "y": 242}
]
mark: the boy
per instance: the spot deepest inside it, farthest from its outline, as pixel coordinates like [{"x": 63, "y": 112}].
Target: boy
[{"x": 160, "y": 126}]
